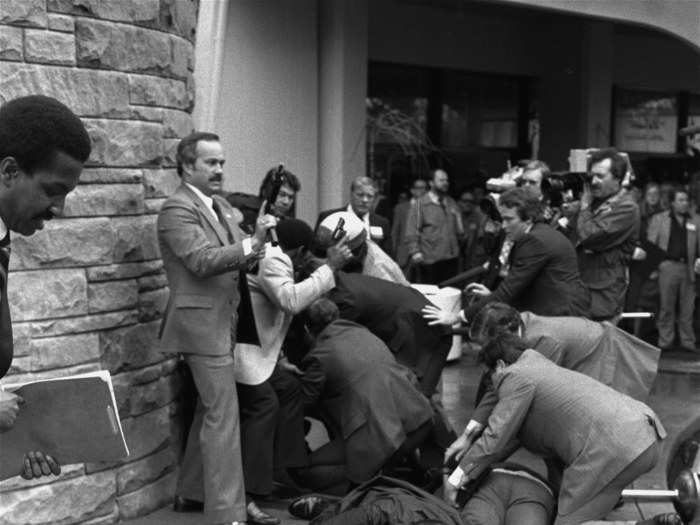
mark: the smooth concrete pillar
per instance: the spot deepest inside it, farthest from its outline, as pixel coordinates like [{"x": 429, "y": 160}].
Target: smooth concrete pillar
[
  {"x": 342, "y": 93},
  {"x": 598, "y": 71}
]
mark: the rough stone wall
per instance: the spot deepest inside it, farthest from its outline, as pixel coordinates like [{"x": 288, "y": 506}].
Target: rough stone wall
[{"x": 87, "y": 292}]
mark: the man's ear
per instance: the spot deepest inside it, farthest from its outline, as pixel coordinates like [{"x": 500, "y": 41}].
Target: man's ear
[{"x": 9, "y": 170}]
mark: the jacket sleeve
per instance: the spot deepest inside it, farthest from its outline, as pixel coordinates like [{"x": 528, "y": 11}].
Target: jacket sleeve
[
  {"x": 499, "y": 438},
  {"x": 412, "y": 238},
  {"x": 180, "y": 228},
  {"x": 528, "y": 260},
  {"x": 312, "y": 382},
  {"x": 485, "y": 407},
  {"x": 276, "y": 278},
  {"x": 608, "y": 228}
]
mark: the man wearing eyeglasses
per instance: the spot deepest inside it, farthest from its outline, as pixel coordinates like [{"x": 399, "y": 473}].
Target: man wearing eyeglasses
[{"x": 363, "y": 192}]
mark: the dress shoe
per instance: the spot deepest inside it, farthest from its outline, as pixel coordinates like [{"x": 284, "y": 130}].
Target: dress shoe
[
  {"x": 187, "y": 505},
  {"x": 259, "y": 517},
  {"x": 668, "y": 519}
]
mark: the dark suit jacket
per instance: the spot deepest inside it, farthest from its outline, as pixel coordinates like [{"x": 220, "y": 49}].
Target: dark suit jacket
[
  {"x": 392, "y": 312},
  {"x": 543, "y": 277},
  {"x": 594, "y": 431},
  {"x": 365, "y": 393},
  {"x": 6, "y": 342},
  {"x": 374, "y": 220}
]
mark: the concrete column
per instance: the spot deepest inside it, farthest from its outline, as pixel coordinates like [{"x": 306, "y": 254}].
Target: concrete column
[
  {"x": 597, "y": 79},
  {"x": 342, "y": 92}
]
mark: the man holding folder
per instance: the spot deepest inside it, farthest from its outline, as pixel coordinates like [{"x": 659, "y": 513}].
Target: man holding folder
[{"x": 43, "y": 146}]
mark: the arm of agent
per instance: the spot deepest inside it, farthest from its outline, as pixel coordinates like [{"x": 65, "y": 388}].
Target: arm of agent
[{"x": 36, "y": 463}]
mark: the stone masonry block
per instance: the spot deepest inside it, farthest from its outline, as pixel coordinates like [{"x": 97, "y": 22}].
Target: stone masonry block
[
  {"x": 147, "y": 498},
  {"x": 124, "y": 271},
  {"x": 152, "y": 282},
  {"x": 135, "y": 238},
  {"x": 62, "y": 502},
  {"x": 112, "y": 295},
  {"x": 30, "y": 13},
  {"x": 147, "y": 433},
  {"x": 133, "y": 476},
  {"x": 63, "y": 351},
  {"x": 160, "y": 183},
  {"x": 67, "y": 472},
  {"x": 65, "y": 242},
  {"x": 134, "y": 400},
  {"x": 142, "y": 12},
  {"x": 111, "y": 176},
  {"x": 152, "y": 91},
  {"x": 179, "y": 17},
  {"x": 153, "y": 206},
  {"x": 62, "y": 23},
  {"x": 152, "y": 304},
  {"x": 147, "y": 113},
  {"x": 11, "y": 43},
  {"x": 125, "y": 142},
  {"x": 105, "y": 199},
  {"x": 87, "y": 323},
  {"x": 49, "y": 47},
  {"x": 130, "y": 347},
  {"x": 22, "y": 335},
  {"x": 44, "y": 295},
  {"x": 127, "y": 48},
  {"x": 176, "y": 124},
  {"x": 87, "y": 92}
]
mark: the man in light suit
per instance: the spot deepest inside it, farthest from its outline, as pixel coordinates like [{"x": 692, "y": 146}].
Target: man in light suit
[
  {"x": 676, "y": 232},
  {"x": 272, "y": 412},
  {"x": 567, "y": 417},
  {"x": 203, "y": 253}
]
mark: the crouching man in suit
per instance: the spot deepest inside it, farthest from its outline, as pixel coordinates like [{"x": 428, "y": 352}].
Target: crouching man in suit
[
  {"x": 603, "y": 439},
  {"x": 372, "y": 402},
  {"x": 204, "y": 252}
]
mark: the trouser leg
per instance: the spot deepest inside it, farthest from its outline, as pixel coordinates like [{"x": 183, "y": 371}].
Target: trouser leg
[
  {"x": 213, "y": 455},
  {"x": 668, "y": 292},
  {"x": 258, "y": 408},
  {"x": 602, "y": 503},
  {"x": 290, "y": 442},
  {"x": 686, "y": 309}
]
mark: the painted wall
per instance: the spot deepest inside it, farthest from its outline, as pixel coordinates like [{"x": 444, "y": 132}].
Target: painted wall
[{"x": 268, "y": 99}]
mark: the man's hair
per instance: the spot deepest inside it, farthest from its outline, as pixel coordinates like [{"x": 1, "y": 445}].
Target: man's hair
[
  {"x": 533, "y": 165},
  {"x": 676, "y": 190},
  {"x": 288, "y": 178},
  {"x": 618, "y": 163},
  {"x": 505, "y": 346},
  {"x": 320, "y": 314},
  {"x": 294, "y": 233},
  {"x": 493, "y": 319},
  {"x": 419, "y": 179},
  {"x": 434, "y": 172},
  {"x": 187, "y": 148},
  {"x": 364, "y": 182},
  {"x": 526, "y": 203},
  {"x": 34, "y": 128}
]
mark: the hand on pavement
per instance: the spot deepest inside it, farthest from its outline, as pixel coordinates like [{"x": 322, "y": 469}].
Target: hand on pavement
[
  {"x": 37, "y": 464},
  {"x": 9, "y": 408}
]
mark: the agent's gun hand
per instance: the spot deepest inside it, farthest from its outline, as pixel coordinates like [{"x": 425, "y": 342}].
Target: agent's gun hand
[
  {"x": 477, "y": 289},
  {"x": 339, "y": 254},
  {"x": 263, "y": 223}
]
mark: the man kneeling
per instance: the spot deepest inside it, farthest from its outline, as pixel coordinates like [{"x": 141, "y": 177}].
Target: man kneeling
[
  {"x": 372, "y": 402},
  {"x": 603, "y": 439}
]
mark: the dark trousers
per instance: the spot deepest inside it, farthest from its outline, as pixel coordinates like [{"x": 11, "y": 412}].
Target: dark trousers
[
  {"x": 272, "y": 429},
  {"x": 438, "y": 271}
]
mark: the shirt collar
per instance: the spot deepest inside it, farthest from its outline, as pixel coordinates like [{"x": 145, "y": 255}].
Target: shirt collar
[
  {"x": 208, "y": 201},
  {"x": 3, "y": 229},
  {"x": 364, "y": 218}
]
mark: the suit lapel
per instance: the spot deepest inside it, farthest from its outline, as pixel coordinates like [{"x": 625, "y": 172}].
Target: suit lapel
[{"x": 208, "y": 216}]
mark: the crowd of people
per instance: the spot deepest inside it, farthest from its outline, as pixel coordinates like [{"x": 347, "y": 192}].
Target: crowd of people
[{"x": 278, "y": 322}]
